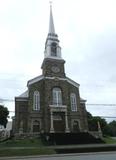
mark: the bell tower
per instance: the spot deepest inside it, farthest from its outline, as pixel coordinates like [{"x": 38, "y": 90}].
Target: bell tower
[{"x": 53, "y": 64}]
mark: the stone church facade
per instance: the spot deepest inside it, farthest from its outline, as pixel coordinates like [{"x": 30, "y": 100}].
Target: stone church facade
[{"x": 52, "y": 102}]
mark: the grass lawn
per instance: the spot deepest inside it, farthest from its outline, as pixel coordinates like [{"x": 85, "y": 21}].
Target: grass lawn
[
  {"x": 26, "y": 152},
  {"x": 24, "y": 147},
  {"x": 34, "y": 142},
  {"x": 34, "y": 146},
  {"x": 109, "y": 140}
]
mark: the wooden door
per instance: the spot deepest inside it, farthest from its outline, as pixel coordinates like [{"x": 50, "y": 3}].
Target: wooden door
[
  {"x": 59, "y": 122},
  {"x": 59, "y": 126}
]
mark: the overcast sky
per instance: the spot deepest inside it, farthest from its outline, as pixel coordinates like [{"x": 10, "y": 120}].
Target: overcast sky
[{"x": 87, "y": 34}]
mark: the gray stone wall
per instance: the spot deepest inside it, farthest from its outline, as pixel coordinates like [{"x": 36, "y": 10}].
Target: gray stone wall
[
  {"x": 48, "y": 64},
  {"x": 45, "y": 88},
  {"x": 21, "y": 114},
  {"x": 25, "y": 115},
  {"x": 36, "y": 115}
]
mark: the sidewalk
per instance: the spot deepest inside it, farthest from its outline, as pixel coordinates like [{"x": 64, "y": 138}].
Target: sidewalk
[{"x": 52, "y": 156}]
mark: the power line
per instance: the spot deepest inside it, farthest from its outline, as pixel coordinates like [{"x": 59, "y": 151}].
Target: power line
[
  {"x": 88, "y": 104},
  {"x": 105, "y": 116},
  {"x": 98, "y": 104}
]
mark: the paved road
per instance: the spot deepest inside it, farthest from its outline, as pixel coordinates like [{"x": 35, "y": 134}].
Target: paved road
[{"x": 89, "y": 156}]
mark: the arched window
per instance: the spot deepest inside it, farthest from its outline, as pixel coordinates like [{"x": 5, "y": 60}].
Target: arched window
[
  {"x": 36, "y": 101},
  {"x": 54, "y": 49},
  {"x": 57, "y": 96},
  {"x": 73, "y": 102}
]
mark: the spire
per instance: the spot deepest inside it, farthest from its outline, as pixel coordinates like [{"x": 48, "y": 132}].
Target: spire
[
  {"x": 52, "y": 48},
  {"x": 51, "y": 22}
]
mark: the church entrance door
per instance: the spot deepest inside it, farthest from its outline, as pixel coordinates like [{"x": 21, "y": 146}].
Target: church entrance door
[{"x": 59, "y": 122}]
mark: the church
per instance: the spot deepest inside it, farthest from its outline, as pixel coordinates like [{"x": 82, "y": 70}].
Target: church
[{"x": 52, "y": 102}]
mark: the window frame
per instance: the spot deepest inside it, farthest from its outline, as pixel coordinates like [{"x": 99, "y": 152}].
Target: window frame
[
  {"x": 54, "y": 49},
  {"x": 56, "y": 96},
  {"x": 36, "y": 101},
  {"x": 73, "y": 101}
]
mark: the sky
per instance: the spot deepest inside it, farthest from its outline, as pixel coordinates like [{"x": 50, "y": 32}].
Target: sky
[{"x": 87, "y": 34}]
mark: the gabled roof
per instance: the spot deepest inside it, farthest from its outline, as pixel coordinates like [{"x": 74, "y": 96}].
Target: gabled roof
[
  {"x": 23, "y": 97},
  {"x": 34, "y": 80},
  {"x": 73, "y": 82},
  {"x": 37, "y": 79}
]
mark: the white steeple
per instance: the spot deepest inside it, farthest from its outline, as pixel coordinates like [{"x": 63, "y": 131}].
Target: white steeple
[
  {"x": 52, "y": 48},
  {"x": 51, "y": 22}
]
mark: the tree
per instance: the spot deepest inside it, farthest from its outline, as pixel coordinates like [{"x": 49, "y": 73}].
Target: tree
[
  {"x": 89, "y": 115},
  {"x": 112, "y": 128},
  {"x": 3, "y": 115},
  {"x": 93, "y": 123},
  {"x": 107, "y": 129}
]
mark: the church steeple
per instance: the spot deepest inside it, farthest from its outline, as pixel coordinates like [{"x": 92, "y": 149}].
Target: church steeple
[
  {"x": 51, "y": 22},
  {"x": 53, "y": 64},
  {"x": 52, "y": 48}
]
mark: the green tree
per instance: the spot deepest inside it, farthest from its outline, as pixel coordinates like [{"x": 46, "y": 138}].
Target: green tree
[
  {"x": 93, "y": 123},
  {"x": 89, "y": 115},
  {"x": 111, "y": 129},
  {"x": 3, "y": 115}
]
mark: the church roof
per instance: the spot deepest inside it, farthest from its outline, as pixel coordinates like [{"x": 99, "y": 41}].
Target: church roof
[
  {"x": 24, "y": 95},
  {"x": 72, "y": 82},
  {"x": 37, "y": 79},
  {"x": 82, "y": 100},
  {"x": 34, "y": 80}
]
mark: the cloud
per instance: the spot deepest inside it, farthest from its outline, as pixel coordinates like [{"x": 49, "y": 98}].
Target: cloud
[{"x": 87, "y": 31}]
